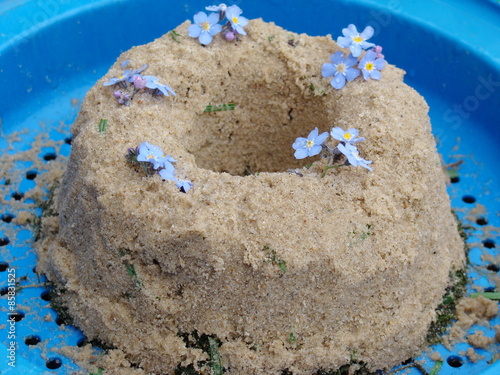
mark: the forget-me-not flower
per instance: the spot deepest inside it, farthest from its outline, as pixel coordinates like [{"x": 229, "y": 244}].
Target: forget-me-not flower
[
  {"x": 354, "y": 40},
  {"x": 168, "y": 173},
  {"x": 127, "y": 75},
  {"x": 184, "y": 185},
  {"x": 309, "y": 146},
  {"x": 371, "y": 65},
  {"x": 341, "y": 69},
  {"x": 238, "y": 22},
  {"x": 154, "y": 155},
  {"x": 153, "y": 84},
  {"x": 205, "y": 27},
  {"x": 349, "y": 136},
  {"x": 217, "y": 8},
  {"x": 352, "y": 154}
]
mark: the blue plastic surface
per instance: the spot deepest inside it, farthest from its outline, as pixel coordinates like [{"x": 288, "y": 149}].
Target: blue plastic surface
[{"x": 53, "y": 51}]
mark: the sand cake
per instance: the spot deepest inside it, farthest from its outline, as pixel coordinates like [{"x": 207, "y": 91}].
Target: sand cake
[{"x": 280, "y": 268}]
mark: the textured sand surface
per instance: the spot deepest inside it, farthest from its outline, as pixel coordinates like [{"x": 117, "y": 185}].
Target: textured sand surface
[{"x": 366, "y": 255}]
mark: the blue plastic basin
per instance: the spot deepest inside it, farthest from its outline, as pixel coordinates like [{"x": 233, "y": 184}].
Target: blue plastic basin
[{"x": 53, "y": 51}]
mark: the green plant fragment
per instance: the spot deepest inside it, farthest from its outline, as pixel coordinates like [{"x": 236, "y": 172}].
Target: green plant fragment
[
  {"x": 437, "y": 367},
  {"x": 102, "y": 125},
  {"x": 495, "y": 296}
]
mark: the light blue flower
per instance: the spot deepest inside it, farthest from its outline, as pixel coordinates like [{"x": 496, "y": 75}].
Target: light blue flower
[
  {"x": 309, "y": 146},
  {"x": 371, "y": 65},
  {"x": 341, "y": 69},
  {"x": 184, "y": 185},
  {"x": 205, "y": 27},
  {"x": 153, "y": 84},
  {"x": 237, "y": 22},
  {"x": 354, "y": 40},
  {"x": 217, "y": 8},
  {"x": 126, "y": 76},
  {"x": 353, "y": 157},
  {"x": 113, "y": 81},
  {"x": 349, "y": 136},
  {"x": 154, "y": 155},
  {"x": 168, "y": 173}
]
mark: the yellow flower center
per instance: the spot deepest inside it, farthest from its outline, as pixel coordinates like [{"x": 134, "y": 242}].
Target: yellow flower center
[
  {"x": 358, "y": 39},
  {"x": 341, "y": 68},
  {"x": 205, "y": 25},
  {"x": 347, "y": 135},
  {"x": 369, "y": 66},
  {"x": 309, "y": 144},
  {"x": 235, "y": 20},
  {"x": 151, "y": 157}
]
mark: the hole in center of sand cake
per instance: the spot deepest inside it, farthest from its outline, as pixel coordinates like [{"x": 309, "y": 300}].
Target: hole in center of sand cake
[{"x": 258, "y": 133}]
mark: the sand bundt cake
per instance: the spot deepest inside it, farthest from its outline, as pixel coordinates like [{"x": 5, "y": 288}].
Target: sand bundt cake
[{"x": 280, "y": 265}]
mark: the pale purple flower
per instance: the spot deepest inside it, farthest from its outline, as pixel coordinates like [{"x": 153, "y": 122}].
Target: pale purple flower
[
  {"x": 349, "y": 136},
  {"x": 309, "y": 146},
  {"x": 122, "y": 97},
  {"x": 340, "y": 69},
  {"x": 205, "y": 27},
  {"x": 238, "y": 22},
  {"x": 230, "y": 35},
  {"x": 139, "y": 81},
  {"x": 184, "y": 185},
  {"x": 352, "y": 154},
  {"x": 354, "y": 40},
  {"x": 370, "y": 65},
  {"x": 378, "y": 51}
]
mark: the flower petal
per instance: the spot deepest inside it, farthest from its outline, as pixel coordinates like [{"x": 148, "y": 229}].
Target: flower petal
[
  {"x": 167, "y": 174},
  {"x": 367, "y": 32},
  {"x": 369, "y": 56},
  {"x": 355, "y": 49},
  {"x": 337, "y": 133},
  {"x": 200, "y": 17},
  {"x": 351, "y": 74},
  {"x": 350, "y": 61},
  {"x": 327, "y": 70},
  {"x": 215, "y": 29},
  {"x": 213, "y": 18},
  {"x": 375, "y": 74},
  {"x": 350, "y": 31},
  {"x": 338, "y": 81},
  {"x": 242, "y": 21},
  {"x": 205, "y": 38},
  {"x": 366, "y": 45},
  {"x": 240, "y": 29},
  {"x": 313, "y": 134},
  {"x": 343, "y": 41},
  {"x": 337, "y": 57},
  {"x": 379, "y": 64},
  {"x": 299, "y": 143},
  {"x": 194, "y": 30},
  {"x": 301, "y": 153},
  {"x": 315, "y": 150},
  {"x": 321, "y": 138}
]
